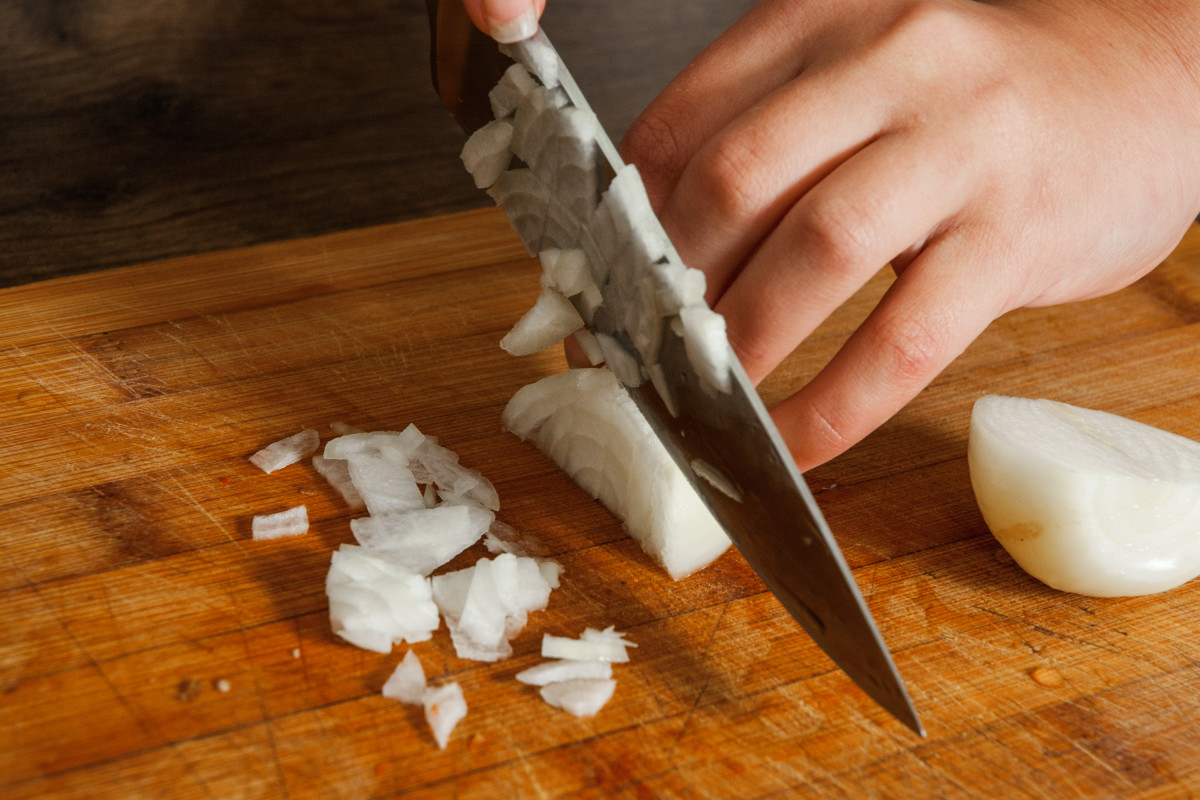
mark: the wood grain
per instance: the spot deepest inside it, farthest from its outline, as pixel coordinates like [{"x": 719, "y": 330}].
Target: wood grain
[
  {"x": 131, "y": 586},
  {"x": 131, "y": 132}
]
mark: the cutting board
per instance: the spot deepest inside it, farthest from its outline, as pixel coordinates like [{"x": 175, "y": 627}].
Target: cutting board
[{"x": 150, "y": 648}]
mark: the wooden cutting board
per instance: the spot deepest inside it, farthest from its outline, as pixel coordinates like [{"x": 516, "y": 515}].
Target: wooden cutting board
[{"x": 149, "y": 648}]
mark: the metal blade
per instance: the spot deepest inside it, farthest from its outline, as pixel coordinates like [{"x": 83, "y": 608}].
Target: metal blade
[{"x": 763, "y": 501}]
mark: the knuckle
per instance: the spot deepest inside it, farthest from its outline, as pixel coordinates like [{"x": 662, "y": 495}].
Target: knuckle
[
  {"x": 730, "y": 176},
  {"x": 914, "y": 351},
  {"x": 838, "y": 233}
]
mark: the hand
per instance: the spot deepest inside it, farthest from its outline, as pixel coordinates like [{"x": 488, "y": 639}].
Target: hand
[
  {"x": 506, "y": 20},
  {"x": 998, "y": 155}
]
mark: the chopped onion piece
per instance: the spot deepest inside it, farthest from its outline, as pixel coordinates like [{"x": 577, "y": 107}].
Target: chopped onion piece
[
  {"x": 551, "y": 319},
  {"x": 566, "y": 271},
  {"x": 407, "y": 682},
  {"x": 396, "y": 446},
  {"x": 507, "y": 94},
  {"x": 422, "y": 539},
  {"x": 486, "y": 605},
  {"x": 385, "y": 485},
  {"x": 707, "y": 346},
  {"x": 444, "y": 708},
  {"x": 374, "y": 603},
  {"x": 456, "y": 484},
  {"x": 337, "y": 472},
  {"x": 593, "y": 645},
  {"x": 590, "y": 346},
  {"x": 292, "y": 522},
  {"x": 504, "y": 538},
  {"x": 287, "y": 451},
  {"x": 488, "y": 152},
  {"x": 564, "y": 670},
  {"x": 582, "y": 697},
  {"x": 536, "y": 55}
]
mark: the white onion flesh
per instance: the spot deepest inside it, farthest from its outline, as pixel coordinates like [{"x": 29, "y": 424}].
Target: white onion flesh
[
  {"x": 445, "y": 707},
  {"x": 587, "y": 424},
  {"x": 1085, "y": 501},
  {"x": 537, "y": 56},
  {"x": 422, "y": 539},
  {"x": 284, "y": 452},
  {"x": 487, "y": 605},
  {"x": 565, "y": 670},
  {"x": 374, "y": 603},
  {"x": 582, "y": 697},
  {"x": 337, "y": 473},
  {"x": 590, "y": 346},
  {"x": 551, "y": 319},
  {"x": 488, "y": 152},
  {"x": 291, "y": 522},
  {"x": 565, "y": 271},
  {"x": 593, "y": 645},
  {"x": 504, "y": 538},
  {"x": 407, "y": 681}
]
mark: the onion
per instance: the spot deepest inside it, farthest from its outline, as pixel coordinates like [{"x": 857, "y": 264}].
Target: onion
[
  {"x": 594, "y": 645},
  {"x": 564, "y": 670},
  {"x": 586, "y": 423},
  {"x": 1086, "y": 501},
  {"x": 374, "y": 603},
  {"x": 506, "y": 95},
  {"x": 444, "y": 708},
  {"x": 486, "y": 605},
  {"x": 551, "y": 319},
  {"x": 583, "y": 697},
  {"x": 407, "y": 681},
  {"x": 422, "y": 539},
  {"x": 707, "y": 347},
  {"x": 488, "y": 152},
  {"x": 292, "y": 522},
  {"x": 566, "y": 271},
  {"x": 536, "y": 55},
  {"x": 287, "y": 451},
  {"x": 337, "y": 473}
]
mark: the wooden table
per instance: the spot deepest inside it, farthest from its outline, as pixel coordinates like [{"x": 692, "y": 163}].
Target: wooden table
[{"x": 131, "y": 588}]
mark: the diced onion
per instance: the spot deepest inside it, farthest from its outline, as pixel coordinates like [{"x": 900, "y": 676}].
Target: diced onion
[
  {"x": 563, "y": 670},
  {"x": 551, "y": 319},
  {"x": 407, "y": 681},
  {"x": 287, "y": 451},
  {"x": 593, "y": 645},
  {"x": 444, "y": 708},
  {"x": 582, "y": 697},
  {"x": 292, "y": 522}
]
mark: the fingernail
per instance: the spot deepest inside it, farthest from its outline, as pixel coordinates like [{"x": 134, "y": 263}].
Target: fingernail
[{"x": 514, "y": 30}]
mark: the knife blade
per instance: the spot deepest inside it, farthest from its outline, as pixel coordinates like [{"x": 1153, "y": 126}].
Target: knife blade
[{"x": 723, "y": 441}]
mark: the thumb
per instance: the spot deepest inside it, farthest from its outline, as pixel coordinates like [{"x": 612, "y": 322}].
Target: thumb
[{"x": 506, "y": 20}]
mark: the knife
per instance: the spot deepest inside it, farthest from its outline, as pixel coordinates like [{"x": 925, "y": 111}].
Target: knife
[{"x": 723, "y": 440}]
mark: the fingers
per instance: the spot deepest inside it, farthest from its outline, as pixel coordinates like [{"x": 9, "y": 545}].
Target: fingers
[
  {"x": 893, "y": 194},
  {"x": 928, "y": 317},
  {"x": 763, "y": 51},
  {"x": 506, "y": 20}
]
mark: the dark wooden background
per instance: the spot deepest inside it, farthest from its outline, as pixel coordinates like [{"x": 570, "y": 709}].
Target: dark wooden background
[{"x": 132, "y": 132}]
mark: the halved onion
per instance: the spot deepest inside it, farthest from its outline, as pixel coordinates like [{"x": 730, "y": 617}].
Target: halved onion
[
  {"x": 1086, "y": 501},
  {"x": 586, "y": 423}
]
